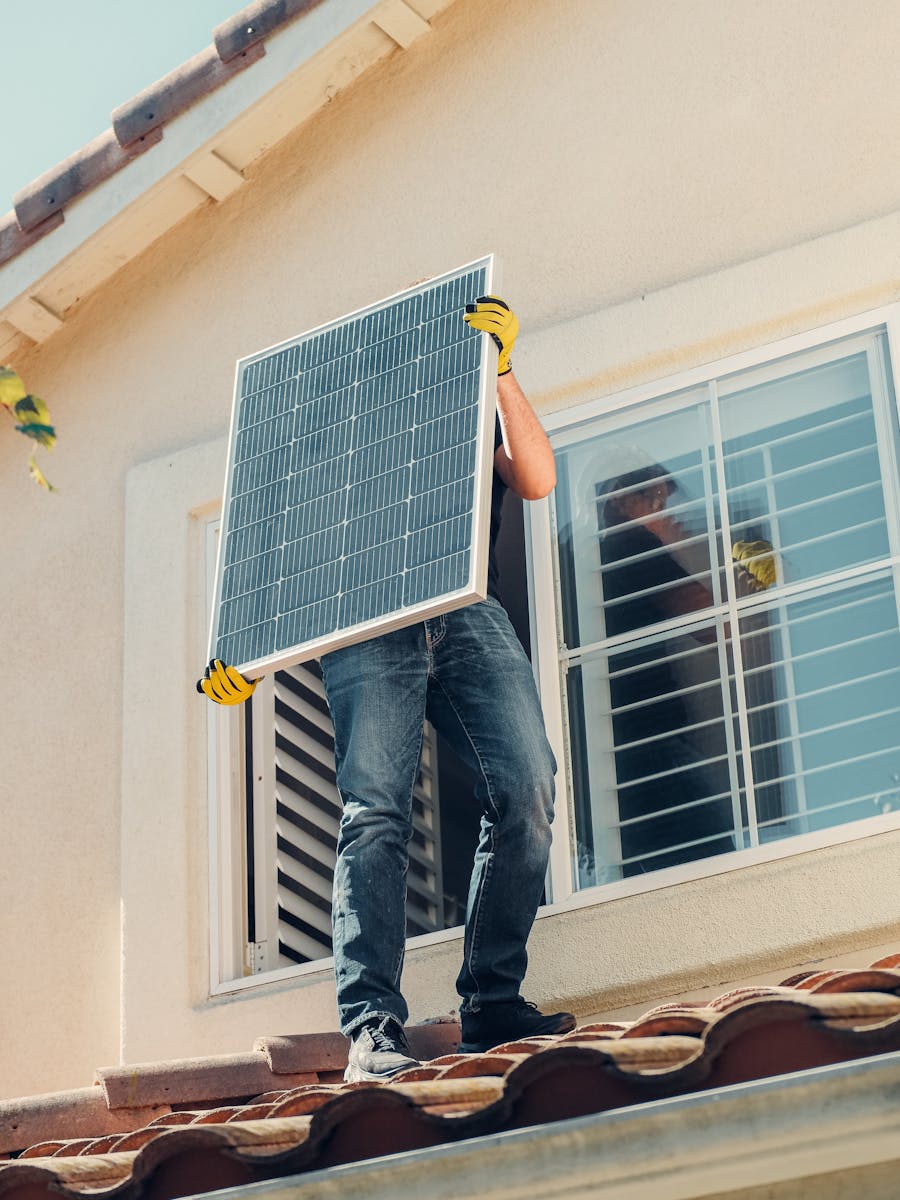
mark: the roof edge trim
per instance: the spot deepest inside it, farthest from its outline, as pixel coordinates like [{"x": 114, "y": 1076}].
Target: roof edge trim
[{"x": 828, "y": 1119}]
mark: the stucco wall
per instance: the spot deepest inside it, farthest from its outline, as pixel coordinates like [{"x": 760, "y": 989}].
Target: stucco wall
[{"x": 664, "y": 183}]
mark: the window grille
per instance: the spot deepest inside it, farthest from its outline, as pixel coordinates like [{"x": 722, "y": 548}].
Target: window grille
[{"x": 708, "y": 711}]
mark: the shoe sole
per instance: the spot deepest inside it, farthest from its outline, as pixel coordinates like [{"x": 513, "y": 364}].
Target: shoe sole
[{"x": 358, "y": 1075}]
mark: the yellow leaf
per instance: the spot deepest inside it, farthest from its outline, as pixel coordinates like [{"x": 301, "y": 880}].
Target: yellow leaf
[
  {"x": 12, "y": 389},
  {"x": 38, "y": 475}
]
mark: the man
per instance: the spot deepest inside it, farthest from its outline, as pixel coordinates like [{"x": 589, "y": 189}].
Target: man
[{"x": 466, "y": 672}]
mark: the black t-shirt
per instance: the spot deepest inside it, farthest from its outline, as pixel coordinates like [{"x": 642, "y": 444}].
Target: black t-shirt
[
  {"x": 640, "y": 675},
  {"x": 498, "y": 491},
  {"x": 631, "y": 581}
]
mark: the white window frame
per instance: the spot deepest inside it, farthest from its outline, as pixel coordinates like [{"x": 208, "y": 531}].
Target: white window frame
[{"x": 549, "y": 650}]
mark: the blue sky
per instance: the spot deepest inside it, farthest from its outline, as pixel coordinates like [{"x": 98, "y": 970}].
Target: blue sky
[{"x": 68, "y": 63}]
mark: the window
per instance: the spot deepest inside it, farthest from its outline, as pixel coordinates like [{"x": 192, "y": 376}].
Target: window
[{"x": 707, "y": 708}]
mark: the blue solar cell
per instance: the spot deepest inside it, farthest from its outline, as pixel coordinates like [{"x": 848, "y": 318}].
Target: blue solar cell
[
  {"x": 450, "y": 500},
  {"x": 382, "y": 389},
  {"x": 353, "y": 475},
  {"x": 360, "y": 605},
  {"x": 251, "y": 540}
]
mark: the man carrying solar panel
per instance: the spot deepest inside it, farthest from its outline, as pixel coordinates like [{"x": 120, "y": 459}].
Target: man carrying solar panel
[{"x": 469, "y": 670}]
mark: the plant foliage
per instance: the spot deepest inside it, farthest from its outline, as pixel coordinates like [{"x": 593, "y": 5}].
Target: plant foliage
[{"x": 32, "y": 419}]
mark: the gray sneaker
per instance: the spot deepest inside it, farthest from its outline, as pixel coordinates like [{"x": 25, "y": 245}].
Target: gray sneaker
[{"x": 378, "y": 1050}]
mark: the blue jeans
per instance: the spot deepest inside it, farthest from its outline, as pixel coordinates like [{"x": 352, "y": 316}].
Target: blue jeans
[{"x": 467, "y": 672}]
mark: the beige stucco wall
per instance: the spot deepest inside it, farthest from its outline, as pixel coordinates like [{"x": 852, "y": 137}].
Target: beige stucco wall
[{"x": 664, "y": 184}]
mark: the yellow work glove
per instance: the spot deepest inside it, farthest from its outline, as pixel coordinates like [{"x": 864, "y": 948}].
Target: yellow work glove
[
  {"x": 225, "y": 685},
  {"x": 492, "y": 315},
  {"x": 757, "y": 559}
]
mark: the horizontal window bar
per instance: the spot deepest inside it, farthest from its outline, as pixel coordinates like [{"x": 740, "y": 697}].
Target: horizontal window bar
[
  {"x": 713, "y": 837},
  {"x": 807, "y": 772},
  {"x": 670, "y": 772},
  {"x": 802, "y": 736},
  {"x": 779, "y": 513},
  {"x": 658, "y": 737},
  {"x": 793, "y": 472},
  {"x": 809, "y": 812},
  {"x": 820, "y": 587},
  {"x": 686, "y": 691},
  {"x": 864, "y": 414},
  {"x": 831, "y": 687},
  {"x": 631, "y": 822}
]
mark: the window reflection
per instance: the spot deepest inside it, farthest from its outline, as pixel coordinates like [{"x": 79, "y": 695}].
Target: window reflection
[
  {"x": 665, "y": 700},
  {"x": 708, "y": 708}
]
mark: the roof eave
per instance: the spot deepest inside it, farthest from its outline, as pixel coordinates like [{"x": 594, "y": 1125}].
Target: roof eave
[{"x": 78, "y": 224}]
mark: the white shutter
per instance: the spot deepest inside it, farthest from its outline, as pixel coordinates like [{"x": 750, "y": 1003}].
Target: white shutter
[{"x": 296, "y": 810}]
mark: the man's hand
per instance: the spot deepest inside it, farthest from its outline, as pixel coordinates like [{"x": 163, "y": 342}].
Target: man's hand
[
  {"x": 492, "y": 315},
  {"x": 664, "y": 526},
  {"x": 225, "y": 685},
  {"x": 757, "y": 559}
]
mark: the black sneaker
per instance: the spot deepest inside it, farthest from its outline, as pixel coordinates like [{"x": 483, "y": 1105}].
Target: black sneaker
[
  {"x": 378, "y": 1050},
  {"x": 498, "y": 1023}
]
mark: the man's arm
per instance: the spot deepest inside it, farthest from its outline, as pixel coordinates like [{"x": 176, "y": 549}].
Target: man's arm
[{"x": 525, "y": 460}]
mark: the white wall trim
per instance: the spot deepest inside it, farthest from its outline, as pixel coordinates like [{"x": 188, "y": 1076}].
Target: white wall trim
[{"x": 681, "y": 329}]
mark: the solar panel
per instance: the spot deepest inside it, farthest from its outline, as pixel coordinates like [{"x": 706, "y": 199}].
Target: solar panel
[{"x": 357, "y": 497}]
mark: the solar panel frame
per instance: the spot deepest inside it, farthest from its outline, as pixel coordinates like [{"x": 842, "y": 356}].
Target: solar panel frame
[{"x": 274, "y": 510}]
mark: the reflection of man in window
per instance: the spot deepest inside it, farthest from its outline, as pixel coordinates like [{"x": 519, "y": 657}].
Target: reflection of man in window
[{"x": 670, "y": 752}]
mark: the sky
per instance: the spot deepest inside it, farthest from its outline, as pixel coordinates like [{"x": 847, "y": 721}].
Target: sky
[{"x": 68, "y": 63}]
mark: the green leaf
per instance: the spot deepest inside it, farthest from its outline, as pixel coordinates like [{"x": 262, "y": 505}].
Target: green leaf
[
  {"x": 38, "y": 476},
  {"x": 32, "y": 411},
  {"x": 12, "y": 389},
  {"x": 45, "y": 435}
]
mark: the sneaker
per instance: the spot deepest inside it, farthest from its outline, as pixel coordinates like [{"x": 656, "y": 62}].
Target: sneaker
[
  {"x": 378, "y": 1050},
  {"x": 498, "y": 1023}
]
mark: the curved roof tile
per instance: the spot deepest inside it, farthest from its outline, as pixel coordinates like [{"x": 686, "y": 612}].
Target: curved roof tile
[
  {"x": 138, "y": 124},
  {"x": 744, "y": 1035}
]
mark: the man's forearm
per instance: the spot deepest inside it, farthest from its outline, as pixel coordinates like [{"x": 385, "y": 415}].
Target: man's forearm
[{"x": 525, "y": 460}]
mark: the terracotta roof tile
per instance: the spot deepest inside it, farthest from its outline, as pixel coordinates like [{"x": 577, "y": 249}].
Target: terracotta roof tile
[
  {"x": 137, "y": 125},
  {"x": 188, "y": 1081},
  {"x": 144, "y": 114},
  {"x": 253, "y": 23},
  {"x": 892, "y": 961},
  {"x": 321, "y": 1052},
  {"x": 47, "y": 196},
  {"x": 70, "y": 1114},
  {"x": 743, "y": 1035}
]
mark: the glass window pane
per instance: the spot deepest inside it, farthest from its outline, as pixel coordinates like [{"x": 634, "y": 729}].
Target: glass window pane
[
  {"x": 653, "y": 775},
  {"x": 802, "y": 467},
  {"x": 634, "y": 511},
  {"x": 822, "y": 684}
]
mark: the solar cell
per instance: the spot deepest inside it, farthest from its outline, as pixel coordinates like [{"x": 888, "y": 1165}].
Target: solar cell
[{"x": 357, "y": 496}]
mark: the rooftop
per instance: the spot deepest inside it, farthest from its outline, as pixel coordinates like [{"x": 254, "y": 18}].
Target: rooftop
[{"x": 185, "y": 1127}]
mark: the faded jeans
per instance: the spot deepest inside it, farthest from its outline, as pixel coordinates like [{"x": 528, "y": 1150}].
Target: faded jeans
[{"x": 468, "y": 674}]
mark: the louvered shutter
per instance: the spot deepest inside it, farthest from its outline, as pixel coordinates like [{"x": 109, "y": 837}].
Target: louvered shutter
[{"x": 293, "y": 825}]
